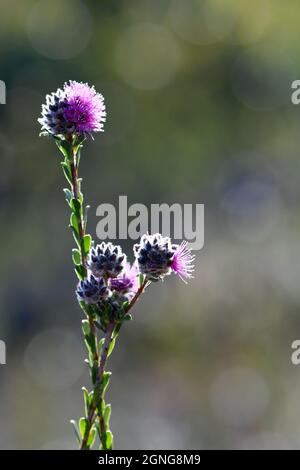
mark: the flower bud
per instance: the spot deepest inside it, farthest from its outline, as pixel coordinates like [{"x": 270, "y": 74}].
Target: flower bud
[
  {"x": 92, "y": 290},
  {"x": 106, "y": 260}
]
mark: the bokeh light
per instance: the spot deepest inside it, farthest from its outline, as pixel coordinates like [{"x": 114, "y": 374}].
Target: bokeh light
[
  {"x": 201, "y": 21},
  {"x": 66, "y": 32},
  {"x": 54, "y": 359},
  {"x": 205, "y": 22},
  {"x": 239, "y": 396},
  {"x": 147, "y": 56},
  {"x": 261, "y": 78}
]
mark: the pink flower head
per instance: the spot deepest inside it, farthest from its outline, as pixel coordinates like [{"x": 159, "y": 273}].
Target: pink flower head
[
  {"x": 127, "y": 282},
  {"x": 85, "y": 108},
  {"x": 182, "y": 263},
  {"x": 76, "y": 109}
]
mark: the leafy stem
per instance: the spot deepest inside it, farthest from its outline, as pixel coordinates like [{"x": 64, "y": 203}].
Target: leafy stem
[
  {"x": 77, "y": 196},
  {"x": 97, "y": 405},
  {"x": 97, "y": 413}
]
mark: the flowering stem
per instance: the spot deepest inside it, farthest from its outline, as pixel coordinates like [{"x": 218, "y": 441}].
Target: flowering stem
[{"x": 106, "y": 280}]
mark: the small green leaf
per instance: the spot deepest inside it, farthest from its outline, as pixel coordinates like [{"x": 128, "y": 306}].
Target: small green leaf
[
  {"x": 74, "y": 222},
  {"x": 67, "y": 172},
  {"x": 88, "y": 347},
  {"x": 76, "y": 238},
  {"x": 86, "y": 327},
  {"x": 106, "y": 414},
  {"x": 91, "y": 438},
  {"x": 99, "y": 432},
  {"x": 68, "y": 195},
  {"x": 80, "y": 272},
  {"x": 105, "y": 381},
  {"x": 86, "y": 243},
  {"x": 76, "y": 257},
  {"x": 93, "y": 343},
  {"x": 111, "y": 347},
  {"x": 117, "y": 329},
  {"x": 141, "y": 279},
  {"x": 76, "y": 207},
  {"x": 80, "y": 195},
  {"x": 82, "y": 426},
  {"x": 109, "y": 440},
  {"x": 76, "y": 431},
  {"x": 101, "y": 342},
  {"x": 89, "y": 337},
  {"x": 64, "y": 147},
  {"x": 77, "y": 148},
  {"x": 86, "y": 400}
]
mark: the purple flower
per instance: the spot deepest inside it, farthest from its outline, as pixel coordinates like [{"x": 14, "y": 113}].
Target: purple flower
[
  {"x": 126, "y": 283},
  {"x": 157, "y": 257},
  {"x": 76, "y": 109},
  {"x": 182, "y": 263},
  {"x": 85, "y": 108}
]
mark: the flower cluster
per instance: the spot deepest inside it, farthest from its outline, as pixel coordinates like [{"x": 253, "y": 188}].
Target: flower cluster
[
  {"x": 112, "y": 279},
  {"x": 77, "y": 109},
  {"x": 107, "y": 266}
]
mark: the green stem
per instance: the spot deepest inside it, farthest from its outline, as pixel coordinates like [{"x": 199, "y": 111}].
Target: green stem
[
  {"x": 75, "y": 191},
  {"x": 137, "y": 295},
  {"x": 92, "y": 415}
]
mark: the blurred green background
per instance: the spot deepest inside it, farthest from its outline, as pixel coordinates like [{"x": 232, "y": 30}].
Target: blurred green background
[{"x": 198, "y": 95}]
